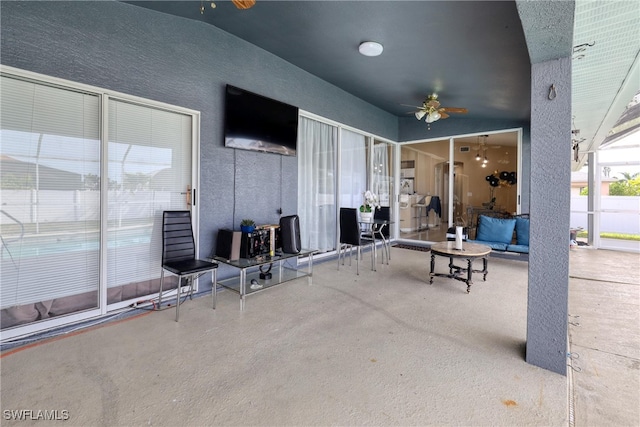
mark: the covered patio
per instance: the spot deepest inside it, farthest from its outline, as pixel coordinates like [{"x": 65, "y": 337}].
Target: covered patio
[{"x": 381, "y": 348}]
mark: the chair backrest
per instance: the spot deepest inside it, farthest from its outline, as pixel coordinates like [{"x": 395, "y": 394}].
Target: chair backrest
[
  {"x": 383, "y": 212},
  {"x": 349, "y": 227},
  {"x": 177, "y": 236}
]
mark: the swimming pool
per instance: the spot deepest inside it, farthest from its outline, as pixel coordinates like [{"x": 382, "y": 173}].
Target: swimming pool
[{"x": 35, "y": 245}]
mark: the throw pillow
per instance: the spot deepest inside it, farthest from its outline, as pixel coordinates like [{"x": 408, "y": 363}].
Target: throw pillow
[{"x": 495, "y": 229}]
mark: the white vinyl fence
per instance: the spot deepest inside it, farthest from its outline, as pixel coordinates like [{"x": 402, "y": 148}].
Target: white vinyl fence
[{"x": 618, "y": 214}]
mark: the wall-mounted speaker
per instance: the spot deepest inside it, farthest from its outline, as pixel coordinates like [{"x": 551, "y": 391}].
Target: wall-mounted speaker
[{"x": 290, "y": 234}]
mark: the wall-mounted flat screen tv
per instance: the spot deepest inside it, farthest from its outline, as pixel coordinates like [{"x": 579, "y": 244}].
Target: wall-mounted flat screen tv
[{"x": 255, "y": 122}]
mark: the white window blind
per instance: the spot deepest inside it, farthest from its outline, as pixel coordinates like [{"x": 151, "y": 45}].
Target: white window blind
[
  {"x": 149, "y": 171},
  {"x": 50, "y": 153}
]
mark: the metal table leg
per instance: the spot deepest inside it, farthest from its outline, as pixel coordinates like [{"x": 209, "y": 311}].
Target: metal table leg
[{"x": 243, "y": 287}]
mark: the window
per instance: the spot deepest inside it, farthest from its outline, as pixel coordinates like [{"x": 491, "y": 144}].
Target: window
[{"x": 82, "y": 206}]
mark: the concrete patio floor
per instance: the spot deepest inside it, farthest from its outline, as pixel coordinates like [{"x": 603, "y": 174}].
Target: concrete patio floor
[
  {"x": 604, "y": 337},
  {"x": 382, "y": 348}
]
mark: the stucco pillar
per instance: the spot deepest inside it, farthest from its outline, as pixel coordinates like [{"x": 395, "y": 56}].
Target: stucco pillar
[{"x": 550, "y": 214}]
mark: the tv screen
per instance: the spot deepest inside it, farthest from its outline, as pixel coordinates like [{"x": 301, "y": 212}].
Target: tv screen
[{"x": 255, "y": 122}]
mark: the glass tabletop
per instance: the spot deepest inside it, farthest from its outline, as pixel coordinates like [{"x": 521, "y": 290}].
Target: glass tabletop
[{"x": 262, "y": 260}]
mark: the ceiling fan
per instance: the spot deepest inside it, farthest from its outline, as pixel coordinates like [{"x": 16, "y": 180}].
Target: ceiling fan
[{"x": 431, "y": 110}]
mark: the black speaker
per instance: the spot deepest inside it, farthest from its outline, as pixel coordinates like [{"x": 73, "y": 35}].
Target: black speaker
[
  {"x": 290, "y": 234},
  {"x": 228, "y": 244},
  {"x": 255, "y": 244}
]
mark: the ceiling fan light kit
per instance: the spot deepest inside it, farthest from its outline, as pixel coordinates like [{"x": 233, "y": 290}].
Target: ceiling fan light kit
[
  {"x": 482, "y": 145},
  {"x": 370, "y": 48},
  {"x": 431, "y": 110}
]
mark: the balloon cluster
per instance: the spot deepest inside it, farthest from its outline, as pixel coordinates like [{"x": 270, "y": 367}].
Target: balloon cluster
[{"x": 501, "y": 179}]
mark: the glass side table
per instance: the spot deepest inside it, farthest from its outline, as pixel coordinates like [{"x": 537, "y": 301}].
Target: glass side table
[{"x": 259, "y": 272}]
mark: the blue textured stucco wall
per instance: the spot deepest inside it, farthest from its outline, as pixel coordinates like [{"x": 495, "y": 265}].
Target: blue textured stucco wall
[
  {"x": 134, "y": 50},
  {"x": 547, "y": 305}
]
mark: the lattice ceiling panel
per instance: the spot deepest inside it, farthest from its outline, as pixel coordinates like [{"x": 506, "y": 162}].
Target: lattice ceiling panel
[{"x": 610, "y": 37}]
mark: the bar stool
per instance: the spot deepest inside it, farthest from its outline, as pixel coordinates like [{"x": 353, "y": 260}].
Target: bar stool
[{"x": 423, "y": 203}]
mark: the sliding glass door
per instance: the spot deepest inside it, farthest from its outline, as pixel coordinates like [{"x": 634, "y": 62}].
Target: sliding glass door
[
  {"x": 149, "y": 171},
  {"x": 353, "y": 169},
  {"x": 335, "y": 167},
  {"x": 317, "y": 185},
  {"x": 50, "y": 224},
  {"x": 435, "y": 195},
  {"x": 85, "y": 179}
]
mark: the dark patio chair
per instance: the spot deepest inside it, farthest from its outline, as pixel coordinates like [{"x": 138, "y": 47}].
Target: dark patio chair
[
  {"x": 351, "y": 236},
  {"x": 179, "y": 255}
]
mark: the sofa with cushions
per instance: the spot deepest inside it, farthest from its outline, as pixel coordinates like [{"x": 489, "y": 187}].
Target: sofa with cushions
[{"x": 503, "y": 234}]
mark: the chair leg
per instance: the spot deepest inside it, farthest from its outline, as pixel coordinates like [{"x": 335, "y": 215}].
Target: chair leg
[
  {"x": 178, "y": 298},
  {"x": 190, "y": 288},
  {"x": 385, "y": 250},
  {"x": 160, "y": 292},
  {"x": 358, "y": 262},
  {"x": 214, "y": 289},
  {"x": 373, "y": 256}
]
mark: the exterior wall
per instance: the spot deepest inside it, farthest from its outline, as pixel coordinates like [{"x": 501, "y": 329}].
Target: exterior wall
[
  {"x": 576, "y": 187},
  {"x": 187, "y": 63}
]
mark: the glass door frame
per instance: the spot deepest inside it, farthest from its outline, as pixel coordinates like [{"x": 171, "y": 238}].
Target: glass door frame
[
  {"x": 451, "y": 150},
  {"x": 192, "y": 205},
  {"x": 104, "y": 95}
]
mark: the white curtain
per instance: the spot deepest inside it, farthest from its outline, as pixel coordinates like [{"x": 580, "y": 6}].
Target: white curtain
[
  {"x": 317, "y": 144},
  {"x": 382, "y": 178},
  {"x": 353, "y": 169}
]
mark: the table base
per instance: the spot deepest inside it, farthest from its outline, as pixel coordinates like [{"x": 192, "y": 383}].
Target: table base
[{"x": 457, "y": 272}]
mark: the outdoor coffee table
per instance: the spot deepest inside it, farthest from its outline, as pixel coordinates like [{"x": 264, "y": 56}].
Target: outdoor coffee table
[{"x": 469, "y": 252}]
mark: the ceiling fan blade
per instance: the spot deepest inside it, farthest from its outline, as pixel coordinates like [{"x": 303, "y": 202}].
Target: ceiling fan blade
[
  {"x": 244, "y": 4},
  {"x": 443, "y": 115},
  {"x": 413, "y": 106},
  {"x": 455, "y": 110}
]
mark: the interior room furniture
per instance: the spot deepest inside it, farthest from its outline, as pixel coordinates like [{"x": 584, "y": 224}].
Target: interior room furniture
[
  {"x": 422, "y": 207},
  {"x": 409, "y": 212},
  {"x": 378, "y": 229},
  {"x": 469, "y": 253},
  {"x": 259, "y": 272},
  {"x": 179, "y": 255},
  {"x": 504, "y": 234},
  {"x": 451, "y": 234},
  {"x": 350, "y": 236}
]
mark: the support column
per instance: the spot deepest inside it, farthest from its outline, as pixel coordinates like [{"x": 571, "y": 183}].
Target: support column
[{"x": 550, "y": 214}]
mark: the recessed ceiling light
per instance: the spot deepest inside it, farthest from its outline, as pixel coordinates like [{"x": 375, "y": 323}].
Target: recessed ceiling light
[{"x": 370, "y": 48}]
